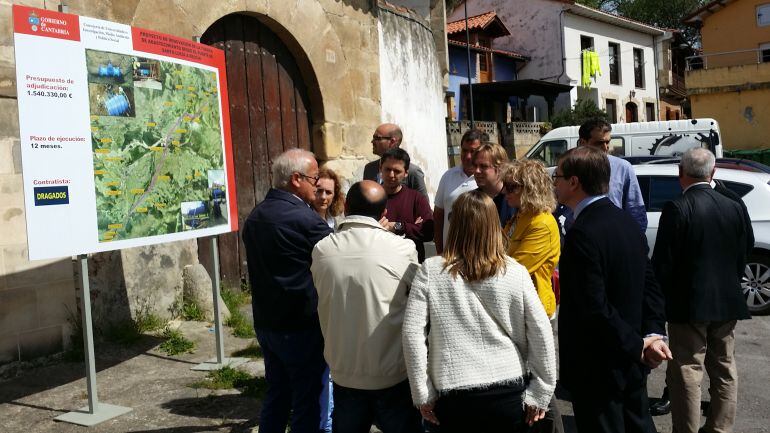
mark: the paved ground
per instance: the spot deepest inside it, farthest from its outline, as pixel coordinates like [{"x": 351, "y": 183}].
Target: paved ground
[{"x": 156, "y": 387}]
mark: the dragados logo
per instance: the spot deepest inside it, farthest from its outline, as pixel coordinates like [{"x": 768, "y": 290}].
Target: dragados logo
[{"x": 50, "y": 195}]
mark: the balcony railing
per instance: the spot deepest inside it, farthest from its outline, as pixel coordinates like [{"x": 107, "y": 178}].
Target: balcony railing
[{"x": 728, "y": 58}]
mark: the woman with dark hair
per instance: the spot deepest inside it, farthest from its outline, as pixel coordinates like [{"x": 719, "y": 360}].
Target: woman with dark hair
[
  {"x": 478, "y": 345},
  {"x": 329, "y": 200}
]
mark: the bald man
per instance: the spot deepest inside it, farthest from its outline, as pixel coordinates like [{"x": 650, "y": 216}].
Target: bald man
[
  {"x": 387, "y": 136},
  {"x": 362, "y": 293}
]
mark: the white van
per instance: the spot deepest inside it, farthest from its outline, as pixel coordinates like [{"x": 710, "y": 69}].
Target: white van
[{"x": 670, "y": 137}]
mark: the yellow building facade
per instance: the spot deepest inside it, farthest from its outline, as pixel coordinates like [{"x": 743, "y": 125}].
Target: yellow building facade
[{"x": 730, "y": 82}]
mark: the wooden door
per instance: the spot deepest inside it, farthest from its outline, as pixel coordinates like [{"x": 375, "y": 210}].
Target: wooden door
[
  {"x": 632, "y": 113},
  {"x": 269, "y": 113}
]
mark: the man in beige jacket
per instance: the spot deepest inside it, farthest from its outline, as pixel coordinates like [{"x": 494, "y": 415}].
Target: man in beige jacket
[{"x": 362, "y": 274}]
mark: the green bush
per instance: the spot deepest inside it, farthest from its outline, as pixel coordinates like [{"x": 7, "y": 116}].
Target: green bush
[
  {"x": 191, "y": 311},
  {"x": 176, "y": 343},
  {"x": 583, "y": 110}
]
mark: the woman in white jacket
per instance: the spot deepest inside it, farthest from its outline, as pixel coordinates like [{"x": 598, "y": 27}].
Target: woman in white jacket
[{"x": 477, "y": 342}]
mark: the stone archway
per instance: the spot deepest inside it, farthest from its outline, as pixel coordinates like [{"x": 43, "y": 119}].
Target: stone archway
[{"x": 270, "y": 112}]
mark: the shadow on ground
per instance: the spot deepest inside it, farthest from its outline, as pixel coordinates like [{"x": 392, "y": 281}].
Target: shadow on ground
[{"x": 40, "y": 379}]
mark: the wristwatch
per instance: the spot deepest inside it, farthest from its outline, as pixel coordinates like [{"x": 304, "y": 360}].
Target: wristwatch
[{"x": 398, "y": 227}]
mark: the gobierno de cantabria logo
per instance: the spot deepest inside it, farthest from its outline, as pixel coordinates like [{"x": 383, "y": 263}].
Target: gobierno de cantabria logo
[{"x": 33, "y": 20}]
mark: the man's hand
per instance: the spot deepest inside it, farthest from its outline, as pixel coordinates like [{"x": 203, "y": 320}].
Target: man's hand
[
  {"x": 387, "y": 225},
  {"x": 533, "y": 414},
  {"x": 656, "y": 353},
  {"x": 647, "y": 342},
  {"x": 426, "y": 410},
  {"x": 418, "y": 220}
]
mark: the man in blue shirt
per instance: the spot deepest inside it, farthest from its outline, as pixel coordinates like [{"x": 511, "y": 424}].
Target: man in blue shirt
[{"x": 624, "y": 189}]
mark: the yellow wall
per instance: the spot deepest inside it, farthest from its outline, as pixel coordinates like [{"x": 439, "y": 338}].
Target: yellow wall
[
  {"x": 744, "y": 117},
  {"x": 734, "y": 28}
]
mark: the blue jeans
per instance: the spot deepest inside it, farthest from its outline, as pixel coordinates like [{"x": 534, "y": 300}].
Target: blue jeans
[
  {"x": 294, "y": 369},
  {"x": 390, "y": 409}
]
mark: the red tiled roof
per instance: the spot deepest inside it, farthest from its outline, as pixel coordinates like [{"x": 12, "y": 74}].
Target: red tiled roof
[
  {"x": 475, "y": 22},
  {"x": 510, "y": 54}
]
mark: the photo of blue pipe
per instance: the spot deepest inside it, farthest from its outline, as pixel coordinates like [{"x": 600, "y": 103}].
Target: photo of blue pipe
[
  {"x": 117, "y": 105},
  {"x": 109, "y": 70}
]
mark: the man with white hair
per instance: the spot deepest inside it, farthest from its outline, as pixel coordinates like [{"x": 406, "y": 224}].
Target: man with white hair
[
  {"x": 279, "y": 236},
  {"x": 699, "y": 259}
]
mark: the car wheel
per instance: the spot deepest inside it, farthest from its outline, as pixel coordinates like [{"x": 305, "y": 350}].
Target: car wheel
[{"x": 756, "y": 284}]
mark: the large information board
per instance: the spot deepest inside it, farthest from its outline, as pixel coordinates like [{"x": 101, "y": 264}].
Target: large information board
[{"x": 124, "y": 134}]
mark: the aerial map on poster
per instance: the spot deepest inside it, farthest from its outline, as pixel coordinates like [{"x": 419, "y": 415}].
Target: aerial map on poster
[{"x": 125, "y": 142}]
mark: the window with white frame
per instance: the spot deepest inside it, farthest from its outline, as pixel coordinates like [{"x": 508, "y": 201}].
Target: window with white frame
[{"x": 763, "y": 15}]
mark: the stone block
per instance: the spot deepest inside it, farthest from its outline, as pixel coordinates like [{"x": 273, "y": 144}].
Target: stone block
[
  {"x": 6, "y": 156},
  {"x": 16, "y": 154},
  {"x": 55, "y": 303},
  {"x": 20, "y": 272},
  {"x": 163, "y": 16},
  {"x": 13, "y": 227},
  {"x": 11, "y": 190},
  {"x": 203, "y": 17},
  {"x": 358, "y": 140},
  {"x": 368, "y": 112},
  {"x": 6, "y": 31},
  {"x": 9, "y": 348},
  {"x": 123, "y": 11},
  {"x": 40, "y": 342},
  {"x": 197, "y": 289},
  {"x": 330, "y": 135},
  {"x": 9, "y": 116},
  {"x": 18, "y": 310}
]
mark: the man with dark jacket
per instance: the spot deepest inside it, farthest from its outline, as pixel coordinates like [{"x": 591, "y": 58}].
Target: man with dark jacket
[
  {"x": 389, "y": 136},
  {"x": 699, "y": 259},
  {"x": 611, "y": 324},
  {"x": 279, "y": 235}
]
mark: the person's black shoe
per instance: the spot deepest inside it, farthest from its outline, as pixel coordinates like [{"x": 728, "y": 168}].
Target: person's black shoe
[{"x": 660, "y": 407}]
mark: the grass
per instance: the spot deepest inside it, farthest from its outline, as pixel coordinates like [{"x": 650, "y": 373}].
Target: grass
[
  {"x": 234, "y": 299},
  {"x": 230, "y": 378},
  {"x": 176, "y": 343},
  {"x": 251, "y": 351},
  {"x": 76, "y": 350},
  {"x": 130, "y": 331},
  {"x": 191, "y": 311}
]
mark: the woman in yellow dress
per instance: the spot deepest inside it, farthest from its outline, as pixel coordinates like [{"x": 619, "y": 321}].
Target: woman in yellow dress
[{"x": 533, "y": 235}]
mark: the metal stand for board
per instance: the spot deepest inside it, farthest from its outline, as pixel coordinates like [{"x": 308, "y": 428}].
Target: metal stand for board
[
  {"x": 95, "y": 412},
  {"x": 220, "y": 361}
]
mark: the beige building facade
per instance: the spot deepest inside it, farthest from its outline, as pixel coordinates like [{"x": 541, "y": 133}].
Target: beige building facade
[{"x": 337, "y": 46}]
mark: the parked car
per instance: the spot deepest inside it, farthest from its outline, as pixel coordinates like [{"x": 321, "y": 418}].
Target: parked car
[
  {"x": 660, "y": 183},
  {"x": 735, "y": 163}
]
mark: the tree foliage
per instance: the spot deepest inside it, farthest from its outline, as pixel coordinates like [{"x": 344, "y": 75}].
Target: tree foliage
[
  {"x": 583, "y": 110},
  {"x": 666, "y": 14}
]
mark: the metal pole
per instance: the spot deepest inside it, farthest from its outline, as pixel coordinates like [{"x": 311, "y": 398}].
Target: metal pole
[
  {"x": 88, "y": 335},
  {"x": 468, "y": 52},
  {"x": 216, "y": 289}
]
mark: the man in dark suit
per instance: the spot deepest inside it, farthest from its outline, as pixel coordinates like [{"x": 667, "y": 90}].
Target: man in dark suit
[
  {"x": 699, "y": 259},
  {"x": 388, "y": 136},
  {"x": 611, "y": 323},
  {"x": 279, "y": 236}
]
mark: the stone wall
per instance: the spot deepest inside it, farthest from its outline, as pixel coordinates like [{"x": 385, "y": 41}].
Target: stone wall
[{"x": 336, "y": 44}]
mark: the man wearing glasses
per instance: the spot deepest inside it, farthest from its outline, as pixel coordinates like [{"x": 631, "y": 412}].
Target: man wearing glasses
[
  {"x": 388, "y": 136},
  {"x": 279, "y": 236}
]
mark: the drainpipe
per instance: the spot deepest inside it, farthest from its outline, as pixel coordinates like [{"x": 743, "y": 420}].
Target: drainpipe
[
  {"x": 657, "y": 74},
  {"x": 561, "y": 42},
  {"x": 468, "y": 51}
]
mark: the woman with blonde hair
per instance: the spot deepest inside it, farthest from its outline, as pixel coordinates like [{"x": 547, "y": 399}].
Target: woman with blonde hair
[
  {"x": 478, "y": 345},
  {"x": 533, "y": 235},
  {"x": 329, "y": 200}
]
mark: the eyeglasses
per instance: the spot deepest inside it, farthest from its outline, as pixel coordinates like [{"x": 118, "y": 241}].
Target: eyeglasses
[
  {"x": 513, "y": 187},
  {"x": 555, "y": 176},
  {"x": 379, "y": 137},
  {"x": 315, "y": 178}
]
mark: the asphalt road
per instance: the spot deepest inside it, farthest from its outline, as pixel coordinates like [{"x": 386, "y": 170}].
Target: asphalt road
[{"x": 752, "y": 351}]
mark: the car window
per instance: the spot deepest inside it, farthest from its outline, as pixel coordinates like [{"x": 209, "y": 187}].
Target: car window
[
  {"x": 739, "y": 188},
  {"x": 550, "y": 151},
  {"x": 617, "y": 147},
  {"x": 662, "y": 189}
]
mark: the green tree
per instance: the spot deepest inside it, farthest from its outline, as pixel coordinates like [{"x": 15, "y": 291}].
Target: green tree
[
  {"x": 666, "y": 14},
  {"x": 583, "y": 110}
]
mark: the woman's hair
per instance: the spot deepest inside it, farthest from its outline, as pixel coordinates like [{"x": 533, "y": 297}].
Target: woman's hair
[
  {"x": 337, "y": 205},
  {"x": 475, "y": 248},
  {"x": 537, "y": 194}
]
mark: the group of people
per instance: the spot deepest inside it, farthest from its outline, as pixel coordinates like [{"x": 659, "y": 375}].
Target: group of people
[{"x": 358, "y": 327}]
